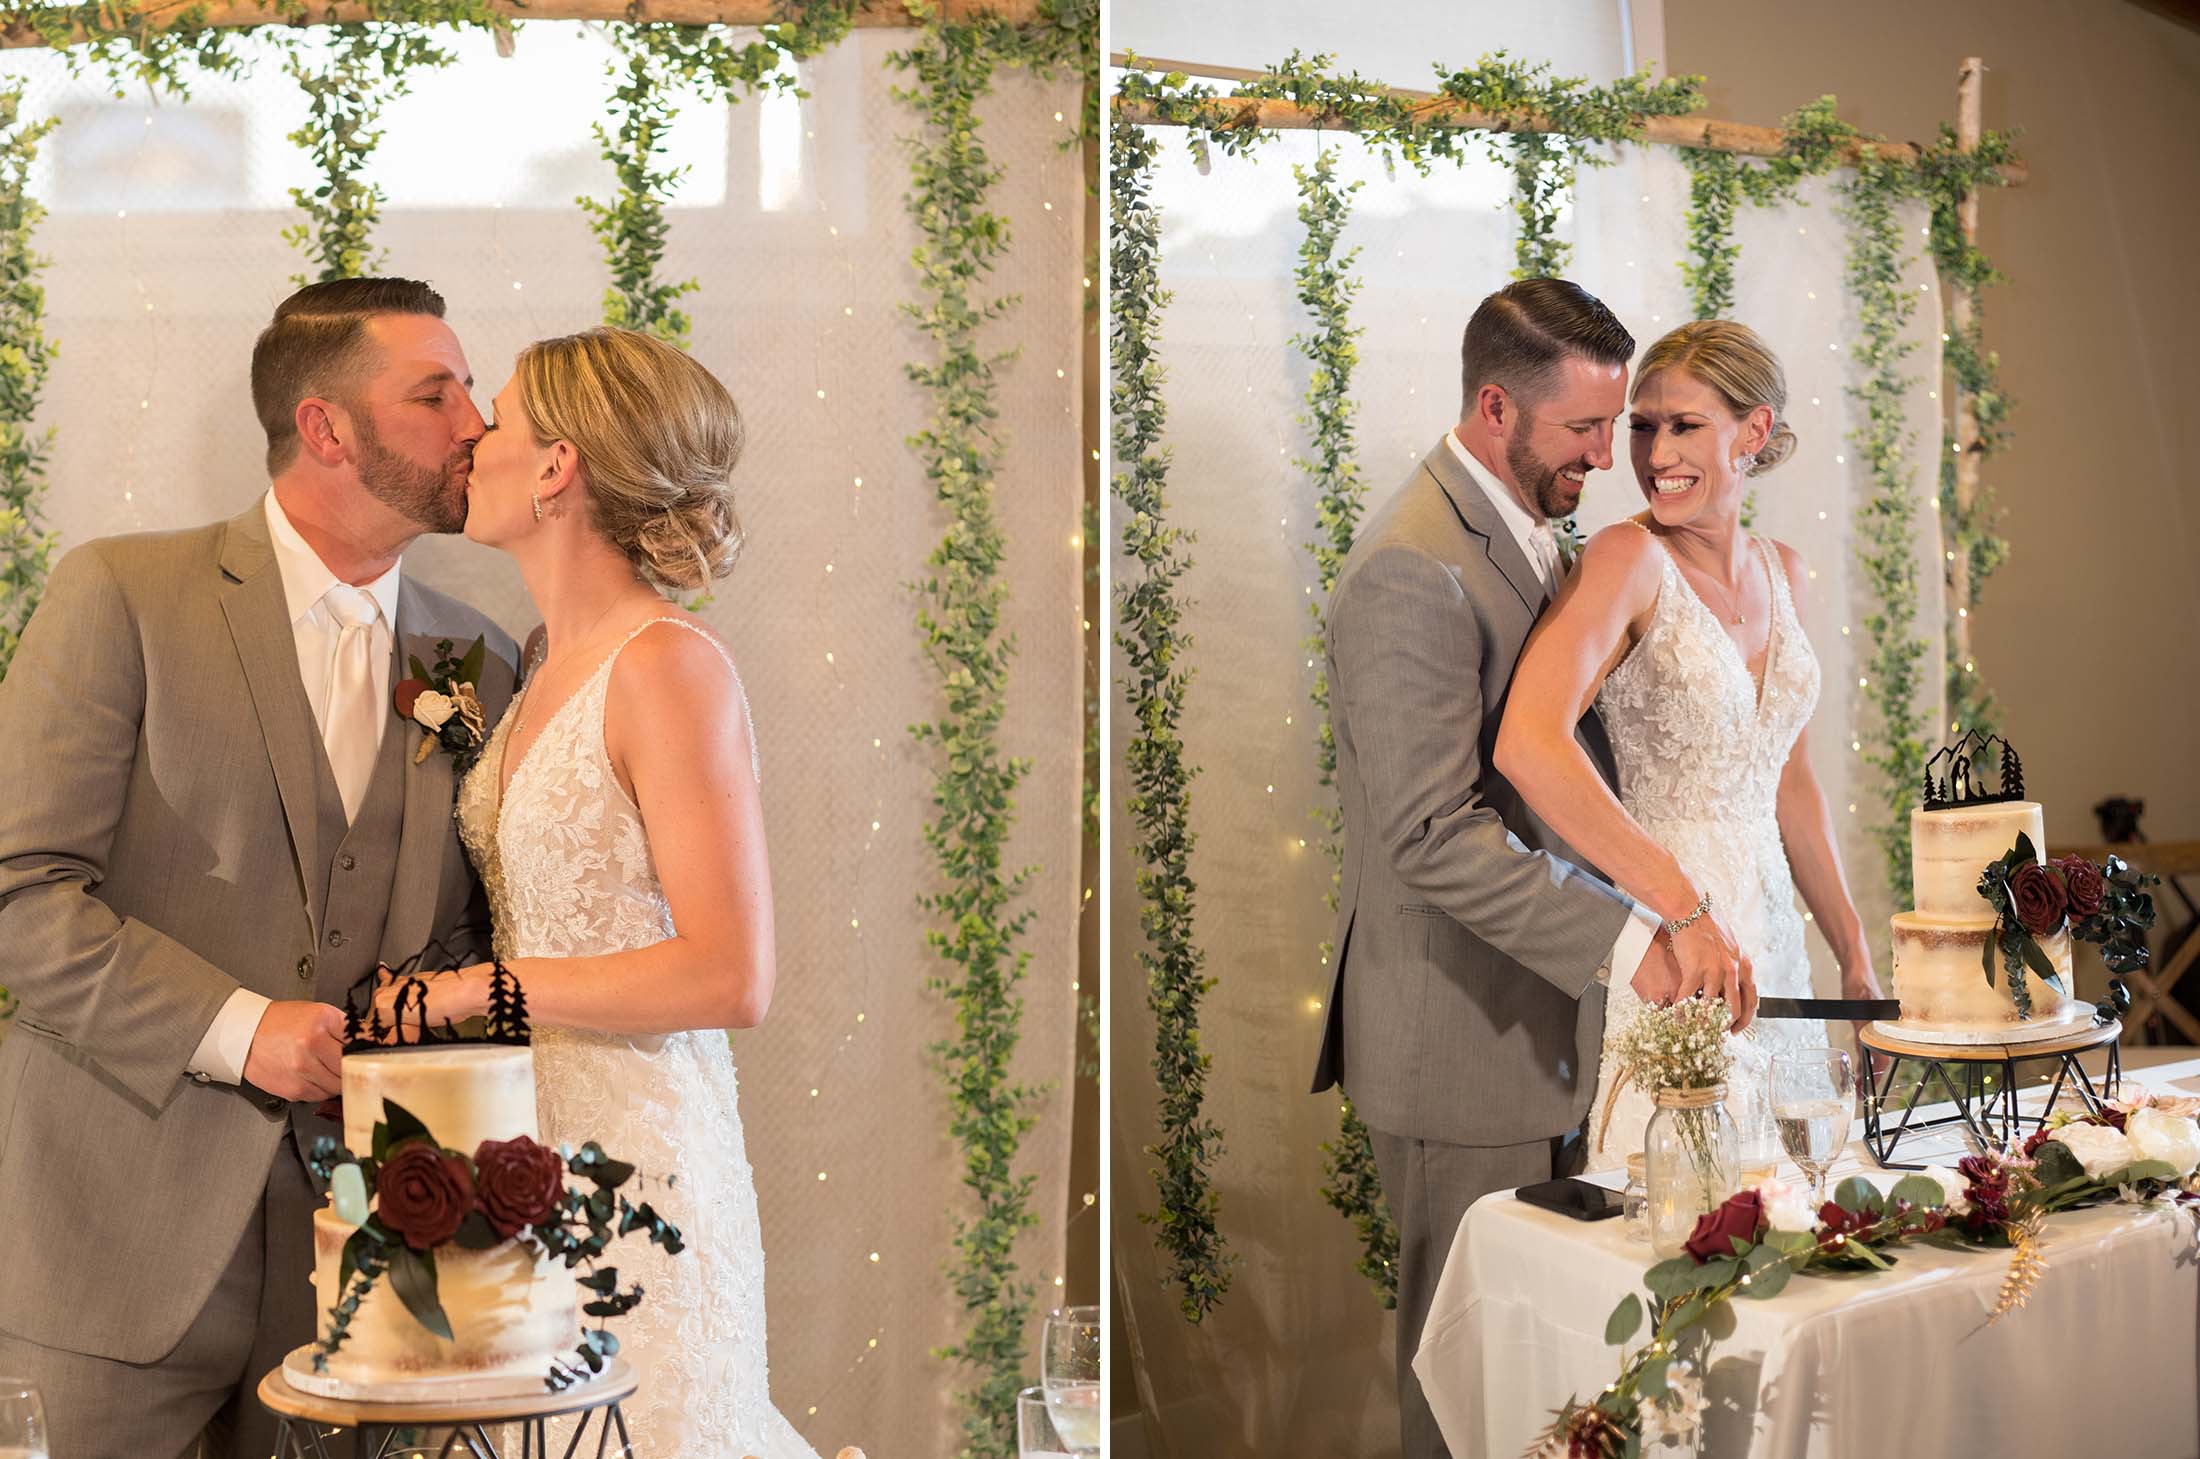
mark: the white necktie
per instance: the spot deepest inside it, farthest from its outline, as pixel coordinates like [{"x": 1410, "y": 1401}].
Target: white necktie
[
  {"x": 350, "y": 729},
  {"x": 1546, "y": 551}
]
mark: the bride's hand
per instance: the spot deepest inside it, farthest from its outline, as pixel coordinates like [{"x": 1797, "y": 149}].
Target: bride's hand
[
  {"x": 453, "y": 997},
  {"x": 1713, "y": 965},
  {"x": 1859, "y": 981}
]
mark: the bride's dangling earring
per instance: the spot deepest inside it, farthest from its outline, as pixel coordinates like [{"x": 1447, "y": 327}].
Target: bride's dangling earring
[
  {"x": 1745, "y": 463},
  {"x": 537, "y": 496}
]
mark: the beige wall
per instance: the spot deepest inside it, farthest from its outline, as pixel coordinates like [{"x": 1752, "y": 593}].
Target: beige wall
[{"x": 2091, "y": 632}]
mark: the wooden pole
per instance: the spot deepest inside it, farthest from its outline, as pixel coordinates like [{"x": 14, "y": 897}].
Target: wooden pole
[
  {"x": 1703, "y": 132},
  {"x": 1968, "y": 112},
  {"x": 239, "y": 14}
]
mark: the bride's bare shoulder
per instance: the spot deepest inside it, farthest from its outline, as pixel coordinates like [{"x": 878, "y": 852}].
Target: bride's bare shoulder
[{"x": 1623, "y": 555}]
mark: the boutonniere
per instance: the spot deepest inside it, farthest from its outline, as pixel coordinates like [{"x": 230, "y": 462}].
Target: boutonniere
[
  {"x": 443, "y": 702},
  {"x": 1568, "y": 534}
]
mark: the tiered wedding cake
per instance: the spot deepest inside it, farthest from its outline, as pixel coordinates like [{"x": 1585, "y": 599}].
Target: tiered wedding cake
[{"x": 512, "y": 1312}]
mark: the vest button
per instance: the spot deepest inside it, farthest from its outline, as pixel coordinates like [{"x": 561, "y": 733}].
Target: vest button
[
  {"x": 335, "y": 939},
  {"x": 347, "y": 861},
  {"x": 305, "y": 968}
]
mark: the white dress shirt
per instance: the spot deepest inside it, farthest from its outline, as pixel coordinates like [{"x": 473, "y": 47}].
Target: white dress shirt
[
  {"x": 227, "y": 1042},
  {"x": 1642, "y": 924}
]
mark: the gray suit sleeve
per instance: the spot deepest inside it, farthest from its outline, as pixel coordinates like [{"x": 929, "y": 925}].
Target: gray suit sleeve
[
  {"x": 131, "y": 999},
  {"x": 1408, "y": 652}
]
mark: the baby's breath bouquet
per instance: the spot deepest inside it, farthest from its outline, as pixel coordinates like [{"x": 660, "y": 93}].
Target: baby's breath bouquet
[{"x": 1678, "y": 1055}]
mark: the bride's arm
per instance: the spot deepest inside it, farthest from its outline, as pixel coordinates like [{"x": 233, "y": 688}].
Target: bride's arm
[
  {"x": 1578, "y": 642},
  {"x": 1806, "y": 829},
  {"x": 675, "y": 730}
]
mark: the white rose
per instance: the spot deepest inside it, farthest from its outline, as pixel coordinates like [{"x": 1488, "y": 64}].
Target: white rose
[
  {"x": 2099, "y": 1148},
  {"x": 2155, "y": 1135},
  {"x": 1954, "y": 1185},
  {"x": 1786, "y": 1207},
  {"x": 432, "y": 709}
]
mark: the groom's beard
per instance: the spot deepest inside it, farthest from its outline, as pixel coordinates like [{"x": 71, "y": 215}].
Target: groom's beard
[
  {"x": 1553, "y": 494},
  {"x": 435, "y": 497}
]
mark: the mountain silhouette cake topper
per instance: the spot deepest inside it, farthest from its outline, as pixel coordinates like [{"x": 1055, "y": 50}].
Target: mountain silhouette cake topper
[
  {"x": 409, "y": 1026},
  {"x": 1958, "y": 781}
]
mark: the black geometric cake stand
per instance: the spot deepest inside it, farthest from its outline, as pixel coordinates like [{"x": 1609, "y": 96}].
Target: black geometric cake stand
[
  {"x": 1991, "y": 1119},
  {"x": 302, "y": 1417}
]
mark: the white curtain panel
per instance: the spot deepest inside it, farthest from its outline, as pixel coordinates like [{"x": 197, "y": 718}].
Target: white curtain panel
[
  {"x": 167, "y": 261},
  {"x": 1299, "y": 1358}
]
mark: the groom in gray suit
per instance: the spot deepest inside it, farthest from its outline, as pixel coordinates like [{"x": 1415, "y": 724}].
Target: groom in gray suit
[
  {"x": 1472, "y": 947},
  {"x": 214, "y": 824}
]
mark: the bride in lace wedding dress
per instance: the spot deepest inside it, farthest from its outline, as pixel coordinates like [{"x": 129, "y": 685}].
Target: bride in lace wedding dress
[
  {"x": 1683, "y": 630},
  {"x": 615, "y": 820}
]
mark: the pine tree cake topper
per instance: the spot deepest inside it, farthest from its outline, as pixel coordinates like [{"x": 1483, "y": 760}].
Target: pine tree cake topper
[{"x": 1953, "y": 777}]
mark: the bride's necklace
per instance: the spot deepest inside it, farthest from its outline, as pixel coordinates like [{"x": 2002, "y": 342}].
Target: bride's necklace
[
  {"x": 1733, "y": 594},
  {"x": 586, "y": 636}
]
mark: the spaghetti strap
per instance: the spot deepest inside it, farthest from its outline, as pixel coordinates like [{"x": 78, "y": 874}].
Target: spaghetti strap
[{"x": 748, "y": 719}]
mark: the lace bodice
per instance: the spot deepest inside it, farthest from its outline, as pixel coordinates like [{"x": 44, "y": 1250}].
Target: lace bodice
[
  {"x": 1699, "y": 745},
  {"x": 565, "y": 857}
]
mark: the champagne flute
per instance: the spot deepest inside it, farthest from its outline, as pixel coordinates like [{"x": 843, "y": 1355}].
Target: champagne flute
[
  {"x": 1069, "y": 1372},
  {"x": 1813, "y": 1104},
  {"x": 23, "y": 1433},
  {"x": 1036, "y": 1437}
]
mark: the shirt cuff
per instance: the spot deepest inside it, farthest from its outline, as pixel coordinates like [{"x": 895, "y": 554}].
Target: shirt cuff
[
  {"x": 221, "y": 1055},
  {"x": 1633, "y": 941}
]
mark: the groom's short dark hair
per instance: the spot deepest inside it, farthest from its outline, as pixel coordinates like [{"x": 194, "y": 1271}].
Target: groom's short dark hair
[
  {"x": 317, "y": 345},
  {"x": 1519, "y": 336}
]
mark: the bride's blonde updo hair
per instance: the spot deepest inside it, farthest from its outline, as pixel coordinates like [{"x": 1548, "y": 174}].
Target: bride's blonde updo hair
[
  {"x": 657, "y": 436},
  {"x": 1732, "y": 359}
]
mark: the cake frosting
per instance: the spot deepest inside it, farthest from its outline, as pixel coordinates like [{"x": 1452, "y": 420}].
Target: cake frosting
[
  {"x": 511, "y": 1312},
  {"x": 1940, "y": 947}
]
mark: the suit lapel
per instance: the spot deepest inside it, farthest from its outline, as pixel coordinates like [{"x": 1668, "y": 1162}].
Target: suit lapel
[
  {"x": 259, "y": 623},
  {"x": 429, "y": 795},
  {"x": 1479, "y": 515}
]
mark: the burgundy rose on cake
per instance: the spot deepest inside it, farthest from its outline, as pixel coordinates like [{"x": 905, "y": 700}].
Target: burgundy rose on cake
[
  {"x": 422, "y": 1194},
  {"x": 520, "y": 1183},
  {"x": 2033, "y": 901}
]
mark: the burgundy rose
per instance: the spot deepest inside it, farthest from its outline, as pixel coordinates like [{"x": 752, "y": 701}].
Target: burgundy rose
[
  {"x": 2084, "y": 883},
  {"x": 422, "y": 1194},
  {"x": 408, "y": 692},
  {"x": 2037, "y": 1138},
  {"x": 1743, "y": 1215},
  {"x": 520, "y": 1183},
  {"x": 1836, "y": 1223},
  {"x": 2038, "y": 899}
]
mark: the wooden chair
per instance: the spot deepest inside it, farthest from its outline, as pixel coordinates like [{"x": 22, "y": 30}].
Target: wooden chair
[{"x": 2150, "y": 987}]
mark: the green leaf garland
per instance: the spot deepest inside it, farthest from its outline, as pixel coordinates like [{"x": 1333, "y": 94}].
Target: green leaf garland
[{"x": 1149, "y": 616}]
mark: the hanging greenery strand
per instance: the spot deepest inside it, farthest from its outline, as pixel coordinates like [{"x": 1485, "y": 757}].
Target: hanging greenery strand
[
  {"x": 26, "y": 355},
  {"x": 1327, "y": 288},
  {"x": 367, "y": 67},
  {"x": 1149, "y": 617},
  {"x": 1950, "y": 174},
  {"x": 1885, "y": 520}
]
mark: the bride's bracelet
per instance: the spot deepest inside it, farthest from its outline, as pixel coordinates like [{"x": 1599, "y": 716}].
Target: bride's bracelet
[{"x": 1675, "y": 929}]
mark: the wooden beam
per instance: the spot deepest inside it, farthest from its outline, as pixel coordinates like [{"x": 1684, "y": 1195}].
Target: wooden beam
[
  {"x": 1439, "y": 110},
  {"x": 241, "y": 14}
]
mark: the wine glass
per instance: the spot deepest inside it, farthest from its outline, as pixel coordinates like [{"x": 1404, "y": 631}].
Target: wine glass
[
  {"x": 1069, "y": 1372},
  {"x": 1036, "y": 1436},
  {"x": 23, "y": 1433},
  {"x": 1813, "y": 1103}
]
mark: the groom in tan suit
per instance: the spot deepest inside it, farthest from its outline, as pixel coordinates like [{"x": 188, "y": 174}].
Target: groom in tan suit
[
  {"x": 1466, "y": 1012},
  {"x": 213, "y": 825}
]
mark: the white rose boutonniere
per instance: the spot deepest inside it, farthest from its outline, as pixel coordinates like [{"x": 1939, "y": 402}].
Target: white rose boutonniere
[
  {"x": 2101, "y": 1149},
  {"x": 2158, "y": 1135},
  {"x": 443, "y": 702},
  {"x": 431, "y": 710}
]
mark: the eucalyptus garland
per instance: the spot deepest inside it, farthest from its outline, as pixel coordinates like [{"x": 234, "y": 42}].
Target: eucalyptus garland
[
  {"x": 369, "y": 66},
  {"x": 1149, "y": 617},
  {"x": 1326, "y": 287},
  {"x": 1949, "y": 174},
  {"x": 26, "y": 355},
  {"x": 1885, "y": 523}
]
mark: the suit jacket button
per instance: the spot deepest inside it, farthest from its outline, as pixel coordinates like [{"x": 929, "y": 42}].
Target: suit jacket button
[
  {"x": 305, "y": 968},
  {"x": 347, "y": 861},
  {"x": 335, "y": 939}
]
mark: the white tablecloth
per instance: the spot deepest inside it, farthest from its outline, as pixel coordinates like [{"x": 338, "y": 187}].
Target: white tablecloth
[{"x": 2100, "y": 1363}]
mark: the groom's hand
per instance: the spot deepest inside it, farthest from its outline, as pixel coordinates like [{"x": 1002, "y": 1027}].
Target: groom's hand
[
  {"x": 1658, "y": 977},
  {"x": 298, "y": 1050}
]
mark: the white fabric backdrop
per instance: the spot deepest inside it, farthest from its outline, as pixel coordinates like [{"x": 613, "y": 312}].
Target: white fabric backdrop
[
  {"x": 167, "y": 260},
  {"x": 1299, "y": 1359}
]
